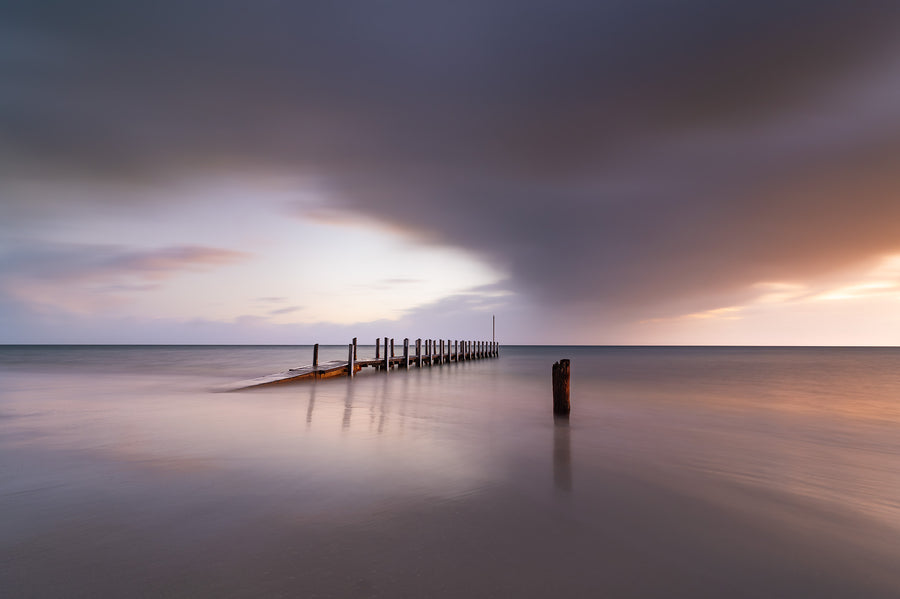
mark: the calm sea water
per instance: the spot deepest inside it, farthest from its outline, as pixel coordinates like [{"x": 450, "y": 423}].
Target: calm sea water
[{"x": 740, "y": 472}]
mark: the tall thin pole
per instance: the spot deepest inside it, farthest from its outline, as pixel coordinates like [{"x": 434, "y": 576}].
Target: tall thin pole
[{"x": 493, "y": 328}]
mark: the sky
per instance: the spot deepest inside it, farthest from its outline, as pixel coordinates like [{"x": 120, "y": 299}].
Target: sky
[{"x": 603, "y": 172}]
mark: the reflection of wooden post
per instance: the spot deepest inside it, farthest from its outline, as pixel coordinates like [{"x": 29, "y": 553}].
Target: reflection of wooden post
[
  {"x": 561, "y": 403},
  {"x": 351, "y": 364},
  {"x": 406, "y": 353},
  {"x": 315, "y": 355}
]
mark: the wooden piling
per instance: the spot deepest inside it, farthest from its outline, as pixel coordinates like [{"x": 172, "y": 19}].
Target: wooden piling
[
  {"x": 351, "y": 362},
  {"x": 561, "y": 405},
  {"x": 435, "y": 352}
]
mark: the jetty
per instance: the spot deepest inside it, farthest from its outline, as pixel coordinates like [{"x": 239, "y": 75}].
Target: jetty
[{"x": 431, "y": 352}]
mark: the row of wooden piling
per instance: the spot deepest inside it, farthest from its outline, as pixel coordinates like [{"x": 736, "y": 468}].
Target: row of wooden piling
[{"x": 427, "y": 353}]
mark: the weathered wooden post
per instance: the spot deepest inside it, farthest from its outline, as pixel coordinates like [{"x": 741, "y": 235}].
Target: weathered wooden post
[
  {"x": 378, "y": 348},
  {"x": 441, "y": 359},
  {"x": 456, "y": 350},
  {"x": 406, "y": 353},
  {"x": 392, "y": 347},
  {"x": 387, "y": 356},
  {"x": 428, "y": 351},
  {"x": 419, "y": 353},
  {"x": 355, "y": 358},
  {"x": 351, "y": 363},
  {"x": 315, "y": 355},
  {"x": 561, "y": 404}
]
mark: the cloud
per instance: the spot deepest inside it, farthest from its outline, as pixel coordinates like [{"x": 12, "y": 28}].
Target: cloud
[
  {"x": 626, "y": 157},
  {"x": 285, "y": 310},
  {"x": 86, "y": 278}
]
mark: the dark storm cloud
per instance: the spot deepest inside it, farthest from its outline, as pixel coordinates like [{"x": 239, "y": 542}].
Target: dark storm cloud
[{"x": 604, "y": 153}]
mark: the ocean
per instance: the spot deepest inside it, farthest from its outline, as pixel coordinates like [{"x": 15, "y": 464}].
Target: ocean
[{"x": 682, "y": 471}]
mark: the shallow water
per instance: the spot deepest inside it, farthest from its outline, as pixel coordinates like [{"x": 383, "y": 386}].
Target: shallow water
[{"x": 682, "y": 471}]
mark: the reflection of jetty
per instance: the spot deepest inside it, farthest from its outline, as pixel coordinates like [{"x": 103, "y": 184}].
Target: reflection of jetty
[{"x": 431, "y": 353}]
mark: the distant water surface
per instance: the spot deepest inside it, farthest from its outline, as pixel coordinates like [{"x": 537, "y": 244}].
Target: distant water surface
[{"x": 740, "y": 472}]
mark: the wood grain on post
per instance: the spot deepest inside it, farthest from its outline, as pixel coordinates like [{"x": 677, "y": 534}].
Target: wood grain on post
[{"x": 561, "y": 403}]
